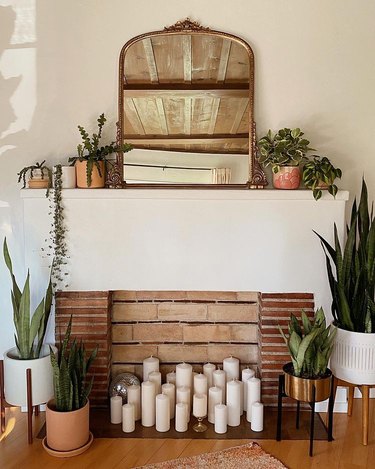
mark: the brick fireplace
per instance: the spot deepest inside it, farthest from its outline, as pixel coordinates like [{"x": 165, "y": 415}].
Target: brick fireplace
[{"x": 176, "y": 326}]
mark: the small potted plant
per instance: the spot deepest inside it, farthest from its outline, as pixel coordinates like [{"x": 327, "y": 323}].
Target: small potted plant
[
  {"x": 319, "y": 174},
  {"x": 30, "y": 351},
  {"x": 310, "y": 348},
  {"x": 40, "y": 176},
  {"x": 284, "y": 152},
  {"x": 90, "y": 162},
  {"x": 67, "y": 415}
]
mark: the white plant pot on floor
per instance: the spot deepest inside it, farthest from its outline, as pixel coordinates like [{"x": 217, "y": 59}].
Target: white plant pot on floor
[
  {"x": 15, "y": 387},
  {"x": 353, "y": 357}
]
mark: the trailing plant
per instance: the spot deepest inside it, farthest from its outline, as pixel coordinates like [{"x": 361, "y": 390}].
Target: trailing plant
[
  {"x": 310, "y": 346},
  {"x": 41, "y": 168},
  {"x": 70, "y": 369},
  {"x": 30, "y": 329},
  {"x": 91, "y": 151},
  {"x": 351, "y": 269},
  {"x": 320, "y": 171},
  {"x": 285, "y": 148}
]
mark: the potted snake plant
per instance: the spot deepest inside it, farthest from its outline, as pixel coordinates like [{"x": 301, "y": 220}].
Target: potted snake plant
[
  {"x": 310, "y": 348},
  {"x": 320, "y": 174},
  {"x": 67, "y": 415},
  {"x": 30, "y": 350},
  {"x": 351, "y": 275}
]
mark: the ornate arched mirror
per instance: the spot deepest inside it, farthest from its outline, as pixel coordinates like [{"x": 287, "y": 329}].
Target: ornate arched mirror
[{"x": 186, "y": 104}]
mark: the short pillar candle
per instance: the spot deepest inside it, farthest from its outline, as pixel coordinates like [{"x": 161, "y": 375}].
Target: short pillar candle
[
  {"x": 184, "y": 375},
  {"x": 169, "y": 390},
  {"x": 155, "y": 377},
  {"x": 200, "y": 384},
  {"x": 231, "y": 367},
  {"x": 215, "y": 397},
  {"x": 181, "y": 420},
  {"x": 220, "y": 381},
  {"x": 221, "y": 418},
  {"x": 208, "y": 370},
  {"x": 128, "y": 420},
  {"x": 163, "y": 420},
  {"x": 183, "y": 396},
  {"x": 116, "y": 409},
  {"x": 257, "y": 417},
  {"x": 150, "y": 364},
  {"x": 134, "y": 397},
  {"x": 200, "y": 405}
]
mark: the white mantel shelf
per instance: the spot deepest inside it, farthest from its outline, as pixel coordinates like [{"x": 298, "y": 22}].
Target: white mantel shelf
[{"x": 188, "y": 194}]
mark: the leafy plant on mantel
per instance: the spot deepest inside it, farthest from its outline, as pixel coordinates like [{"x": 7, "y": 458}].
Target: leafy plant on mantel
[
  {"x": 41, "y": 168},
  {"x": 320, "y": 172}
]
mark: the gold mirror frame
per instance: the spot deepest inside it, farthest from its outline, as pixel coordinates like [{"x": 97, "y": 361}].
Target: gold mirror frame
[{"x": 115, "y": 174}]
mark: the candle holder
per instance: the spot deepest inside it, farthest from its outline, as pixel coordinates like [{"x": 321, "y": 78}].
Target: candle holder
[{"x": 200, "y": 427}]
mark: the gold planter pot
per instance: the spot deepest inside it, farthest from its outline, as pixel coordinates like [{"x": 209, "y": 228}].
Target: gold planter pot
[{"x": 301, "y": 389}]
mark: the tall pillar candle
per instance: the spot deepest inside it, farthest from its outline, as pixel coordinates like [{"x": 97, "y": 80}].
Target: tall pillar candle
[
  {"x": 128, "y": 420},
  {"x": 233, "y": 403},
  {"x": 253, "y": 395},
  {"x": 183, "y": 396},
  {"x": 163, "y": 420},
  {"x": 200, "y": 405},
  {"x": 221, "y": 418},
  {"x": 257, "y": 417},
  {"x": 148, "y": 403},
  {"x": 155, "y": 377},
  {"x": 220, "y": 381},
  {"x": 116, "y": 409},
  {"x": 200, "y": 384},
  {"x": 181, "y": 420},
  {"x": 247, "y": 373},
  {"x": 171, "y": 377},
  {"x": 184, "y": 375},
  {"x": 169, "y": 390},
  {"x": 208, "y": 370},
  {"x": 150, "y": 364},
  {"x": 215, "y": 397},
  {"x": 231, "y": 367},
  {"x": 134, "y": 397}
]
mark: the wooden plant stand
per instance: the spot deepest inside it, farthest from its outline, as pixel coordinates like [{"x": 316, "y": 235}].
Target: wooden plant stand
[{"x": 30, "y": 407}]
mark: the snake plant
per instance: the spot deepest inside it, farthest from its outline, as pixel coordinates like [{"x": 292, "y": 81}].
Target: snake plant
[
  {"x": 310, "y": 346},
  {"x": 70, "y": 368},
  {"x": 351, "y": 270},
  {"x": 30, "y": 329}
]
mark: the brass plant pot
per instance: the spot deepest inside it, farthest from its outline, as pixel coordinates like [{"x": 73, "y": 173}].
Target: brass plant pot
[{"x": 301, "y": 389}]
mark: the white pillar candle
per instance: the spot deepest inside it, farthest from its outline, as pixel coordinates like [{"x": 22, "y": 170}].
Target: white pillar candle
[
  {"x": 148, "y": 403},
  {"x": 134, "y": 397},
  {"x": 150, "y": 364},
  {"x": 200, "y": 384},
  {"x": 155, "y": 377},
  {"x": 257, "y": 417},
  {"x": 233, "y": 403},
  {"x": 219, "y": 380},
  {"x": 68, "y": 177},
  {"x": 171, "y": 377},
  {"x": 163, "y": 420},
  {"x": 183, "y": 396},
  {"x": 253, "y": 395},
  {"x": 247, "y": 373},
  {"x": 208, "y": 370},
  {"x": 184, "y": 375},
  {"x": 221, "y": 418},
  {"x": 241, "y": 397},
  {"x": 181, "y": 421},
  {"x": 200, "y": 405},
  {"x": 116, "y": 409},
  {"x": 128, "y": 421},
  {"x": 231, "y": 367},
  {"x": 215, "y": 396},
  {"x": 169, "y": 390}
]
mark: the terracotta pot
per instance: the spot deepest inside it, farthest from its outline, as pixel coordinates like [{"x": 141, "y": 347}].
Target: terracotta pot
[
  {"x": 301, "y": 389},
  {"x": 97, "y": 181},
  {"x": 67, "y": 431},
  {"x": 288, "y": 177},
  {"x": 38, "y": 183}
]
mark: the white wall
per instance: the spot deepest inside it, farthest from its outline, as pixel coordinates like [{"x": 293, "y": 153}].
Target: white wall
[{"x": 58, "y": 68}]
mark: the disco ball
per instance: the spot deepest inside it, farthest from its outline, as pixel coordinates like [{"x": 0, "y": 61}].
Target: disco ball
[{"x": 119, "y": 385}]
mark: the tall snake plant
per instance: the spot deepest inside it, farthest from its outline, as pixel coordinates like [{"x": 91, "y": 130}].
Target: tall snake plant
[
  {"x": 30, "y": 330},
  {"x": 70, "y": 370}
]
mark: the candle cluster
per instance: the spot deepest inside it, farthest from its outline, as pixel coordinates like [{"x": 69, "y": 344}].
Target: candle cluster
[{"x": 218, "y": 394}]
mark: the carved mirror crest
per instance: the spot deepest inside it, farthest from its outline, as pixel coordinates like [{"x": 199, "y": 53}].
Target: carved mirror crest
[{"x": 186, "y": 104}]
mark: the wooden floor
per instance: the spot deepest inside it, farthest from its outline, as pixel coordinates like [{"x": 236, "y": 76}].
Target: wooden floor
[{"x": 346, "y": 452}]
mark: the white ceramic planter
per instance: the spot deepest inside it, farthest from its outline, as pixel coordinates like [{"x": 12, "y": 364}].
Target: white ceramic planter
[
  {"x": 68, "y": 177},
  {"x": 15, "y": 378},
  {"x": 353, "y": 357}
]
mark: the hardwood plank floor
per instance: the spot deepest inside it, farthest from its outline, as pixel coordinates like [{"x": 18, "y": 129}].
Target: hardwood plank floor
[{"x": 346, "y": 452}]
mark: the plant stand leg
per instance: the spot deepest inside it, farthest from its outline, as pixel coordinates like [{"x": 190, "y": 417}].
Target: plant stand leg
[
  {"x": 350, "y": 400},
  {"x": 312, "y": 422},
  {"x": 2, "y": 397},
  {"x": 331, "y": 403},
  {"x": 36, "y": 410},
  {"x": 297, "y": 416},
  {"x": 280, "y": 407},
  {"x": 365, "y": 413},
  {"x": 29, "y": 406}
]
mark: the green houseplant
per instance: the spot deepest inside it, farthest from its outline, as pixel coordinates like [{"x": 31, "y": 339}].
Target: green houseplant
[
  {"x": 351, "y": 275},
  {"x": 319, "y": 173},
  {"x": 90, "y": 162},
  {"x": 40, "y": 176},
  {"x": 30, "y": 351},
  {"x": 67, "y": 416},
  {"x": 284, "y": 151}
]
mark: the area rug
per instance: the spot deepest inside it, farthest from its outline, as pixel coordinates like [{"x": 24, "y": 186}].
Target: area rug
[{"x": 250, "y": 456}]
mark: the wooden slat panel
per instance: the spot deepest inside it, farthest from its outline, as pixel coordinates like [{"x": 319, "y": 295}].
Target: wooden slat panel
[
  {"x": 224, "y": 57},
  {"x": 186, "y": 46},
  {"x": 136, "y": 66},
  {"x": 238, "y": 64},
  {"x": 170, "y": 66},
  {"x": 149, "y": 53},
  {"x": 187, "y": 93},
  {"x": 206, "y": 58}
]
